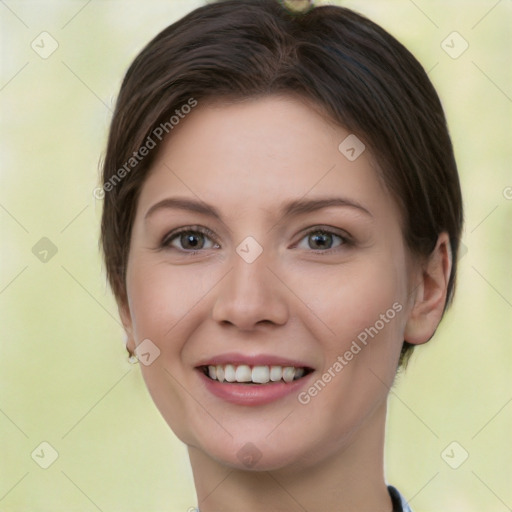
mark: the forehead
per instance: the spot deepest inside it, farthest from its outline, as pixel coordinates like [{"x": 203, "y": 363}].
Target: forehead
[{"x": 256, "y": 154}]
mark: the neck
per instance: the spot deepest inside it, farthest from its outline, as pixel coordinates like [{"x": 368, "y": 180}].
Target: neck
[{"x": 351, "y": 478}]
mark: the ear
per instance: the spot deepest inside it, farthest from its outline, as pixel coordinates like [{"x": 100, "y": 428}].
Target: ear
[
  {"x": 126, "y": 318},
  {"x": 430, "y": 293}
]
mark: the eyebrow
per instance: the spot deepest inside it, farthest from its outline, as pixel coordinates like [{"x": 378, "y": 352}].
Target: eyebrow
[{"x": 289, "y": 209}]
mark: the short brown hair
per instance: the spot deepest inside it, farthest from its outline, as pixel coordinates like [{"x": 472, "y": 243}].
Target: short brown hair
[{"x": 361, "y": 76}]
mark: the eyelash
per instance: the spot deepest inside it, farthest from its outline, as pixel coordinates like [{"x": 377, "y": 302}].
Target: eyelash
[{"x": 166, "y": 242}]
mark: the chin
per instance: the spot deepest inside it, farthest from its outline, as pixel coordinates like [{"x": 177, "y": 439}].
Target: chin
[{"x": 257, "y": 453}]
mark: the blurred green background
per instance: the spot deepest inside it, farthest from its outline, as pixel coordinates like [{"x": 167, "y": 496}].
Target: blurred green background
[{"x": 64, "y": 377}]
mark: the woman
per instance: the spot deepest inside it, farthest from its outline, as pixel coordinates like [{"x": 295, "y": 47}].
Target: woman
[{"x": 281, "y": 224}]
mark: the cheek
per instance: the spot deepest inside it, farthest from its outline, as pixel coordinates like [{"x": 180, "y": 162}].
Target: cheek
[
  {"x": 150, "y": 302},
  {"x": 348, "y": 300},
  {"x": 168, "y": 303},
  {"x": 164, "y": 304},
  {"x": 362, "y": 311},
  {"x": 160, "y": 295}
]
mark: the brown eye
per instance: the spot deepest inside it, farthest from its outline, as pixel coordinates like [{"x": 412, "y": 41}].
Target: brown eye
[{"x": 190, "y": 240}]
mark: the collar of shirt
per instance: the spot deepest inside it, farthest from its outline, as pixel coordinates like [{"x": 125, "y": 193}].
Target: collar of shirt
[{"x": 399, "y": 503}]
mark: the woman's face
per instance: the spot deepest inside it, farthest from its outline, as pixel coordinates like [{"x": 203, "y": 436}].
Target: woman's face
[{"x": 292, "y": 257}]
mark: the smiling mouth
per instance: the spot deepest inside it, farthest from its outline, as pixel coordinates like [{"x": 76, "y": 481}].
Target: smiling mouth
[{"x": 261, "y": 374}]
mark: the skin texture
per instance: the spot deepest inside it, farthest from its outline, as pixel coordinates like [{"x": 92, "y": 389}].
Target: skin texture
[{"x": 246, "y": 159}]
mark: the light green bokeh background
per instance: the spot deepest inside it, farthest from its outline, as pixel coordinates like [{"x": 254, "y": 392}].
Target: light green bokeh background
[{"x": 64, "y": 378}]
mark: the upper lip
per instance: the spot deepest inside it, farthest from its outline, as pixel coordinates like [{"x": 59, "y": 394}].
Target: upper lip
[{"x": 252, "y": 360}]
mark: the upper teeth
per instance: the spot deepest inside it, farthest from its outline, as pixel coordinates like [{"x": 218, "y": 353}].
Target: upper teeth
[{"x": 256, "y": 374}]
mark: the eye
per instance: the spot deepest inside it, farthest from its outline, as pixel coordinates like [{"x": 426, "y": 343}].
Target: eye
[
  {"x": 323, "y": 240},
  {"x": 190, "y": 239},
  {"x": 196, "y": 238}
]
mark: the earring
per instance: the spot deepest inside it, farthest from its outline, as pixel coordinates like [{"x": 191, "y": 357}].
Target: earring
[{"x": 132, "y": 358}]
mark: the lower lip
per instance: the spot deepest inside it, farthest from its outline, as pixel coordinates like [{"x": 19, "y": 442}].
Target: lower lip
[{"x": 252, "y": 394}]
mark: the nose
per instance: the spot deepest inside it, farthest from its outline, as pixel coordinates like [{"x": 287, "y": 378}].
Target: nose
[{"x": 250, "y": 295}]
